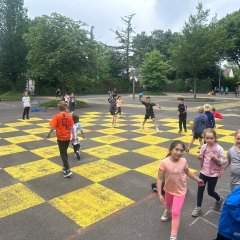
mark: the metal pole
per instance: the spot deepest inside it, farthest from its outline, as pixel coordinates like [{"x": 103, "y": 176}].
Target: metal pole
[
  {"x": 219, "y": 79},
  {"x": 133, "y": 88}
]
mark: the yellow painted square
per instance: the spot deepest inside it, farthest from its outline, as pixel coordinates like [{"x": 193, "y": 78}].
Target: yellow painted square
[
  {"x": 146, "y": 131},
  {"x": 93, "y": 113},
  {"x": 8, "y": 129},
  {"x": 170, "y": 120},
  {"x": 17, "y": 124},
  {"x": 185, "y": 139},
  {"x": 153, "y": 151},
  {"x": 83, "y": 125},
  {"x": 149, "y": 139},
  {"x": 175, "y": 130},
  {"x": 100, "y": 170},
  {"x": 229, "y": 139},
  {"x": 105, "y": 151},
  {"x": 109, "y": 139},
  {"x": 22, "y": 139},
  {"x": 10, "y": 149},
  {"x": 224, "y": 131},
  {"x": 37, "y": 130},
  {"x": 44, "y": 125},
  {"x": 150, "y": 169},
  {"x": 111, "y": 131},
  {"x": 90, "y": 204},
  {"x": 138, "y": 116},
  {"x": 172, "y": 124},
  {"x": 32, "y": 119},
  {"x": 110, "y": 124},
  {"x": 47, "y": 152},
  {"x": 32, "y": 170},
  {"x": 16, "y": 198},
  {"x": 195, "y": 150}
]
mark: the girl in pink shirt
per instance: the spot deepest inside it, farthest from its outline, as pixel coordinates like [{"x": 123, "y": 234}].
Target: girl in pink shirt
[
  {"x": 119, "y": 104},
  {"x": 212, "y": 159},
  {"x": 174, "y": 169}
]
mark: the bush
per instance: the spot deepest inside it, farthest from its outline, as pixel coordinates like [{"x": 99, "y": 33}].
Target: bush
[{"x": 11, "y": 96}]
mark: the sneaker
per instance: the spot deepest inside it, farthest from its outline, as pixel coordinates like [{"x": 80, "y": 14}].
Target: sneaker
[
  {"x": 78, "y": 155},
  {"x": 67, "y": 173},
  {"x": 218, "y": 204},
  {"x": 166, "y": 216},
  {"x": 173, "y": 238},
  {"x": 63, "y": 170},
  {"x": 196, "y": 211},
  {"x": 185, "y": 130},
  {"x": 157, "y": 130},
  {"x": 179, "y": 131},
  {"x": 186, "y": 149}
]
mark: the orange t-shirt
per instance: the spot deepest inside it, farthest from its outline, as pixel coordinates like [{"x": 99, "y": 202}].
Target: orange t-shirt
[
  {"x": 63, "y": 124},
  {"x": 175, "y": 177}
]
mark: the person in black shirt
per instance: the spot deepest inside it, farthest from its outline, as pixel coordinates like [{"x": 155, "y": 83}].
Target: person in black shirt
[
  {"x": 149, "y": 111},
  {"x": 182, "y": 114},
  {"x": 113, "y": 109}
]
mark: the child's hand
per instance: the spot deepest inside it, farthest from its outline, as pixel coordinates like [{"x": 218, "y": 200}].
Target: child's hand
[
  {"x": 214, "y": 157},
  {"x": 161, "y": 198},
  {"x": 200, "y": 182},
  {"x": 200, "y": 156},
  {"x": 48, "y": 136},
  {"x": 221, "y": 173}
]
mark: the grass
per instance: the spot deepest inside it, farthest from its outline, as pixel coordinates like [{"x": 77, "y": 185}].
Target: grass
[
  {"x": 11, "y": 96},
  {"x": 54, "y": 103}
]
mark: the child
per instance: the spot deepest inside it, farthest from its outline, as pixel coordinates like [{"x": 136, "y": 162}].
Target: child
[
  {"x": 174, "y": 168},
  {"x": 149, "y": 111},
  {"x": 72, "y": 103},
  {"x": 233, "y": 157},
  {"x": 63, "y": 124},
  {"x": 112, "y": 109},
  {"x": 75, "y": 141},
  {"x": 212, "y": 159},
  {"x": 200, "y": 123},
  {"x": 26, "y": 105},
  {"x": 209, "y": 114},
  {"x": 217, "y": 115},
  {"x": 119, "y": 103},
  {"x": 226, "y": 91},
  {"x": 182, "y": 114}
]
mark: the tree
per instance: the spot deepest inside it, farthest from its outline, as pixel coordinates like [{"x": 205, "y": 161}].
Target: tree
[
  {"x": 196, "y": 48},
  {"x": 124, "y": 37},
  {"x": 13, "y": 50},
  {"x": 154, "y": 71}
]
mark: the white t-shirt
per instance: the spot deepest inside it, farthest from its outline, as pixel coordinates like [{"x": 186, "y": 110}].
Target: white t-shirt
[{"x": 26, "y": 101}]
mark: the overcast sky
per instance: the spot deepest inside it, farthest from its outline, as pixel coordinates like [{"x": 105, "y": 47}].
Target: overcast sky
[{"x": 105, "y": 15}]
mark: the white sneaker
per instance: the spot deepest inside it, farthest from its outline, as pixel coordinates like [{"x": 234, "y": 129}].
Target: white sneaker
[
  {"x": 157, "y": 130},
  {"x": 173, "y": 238},
  {"x": 165, "y": 216},
  {"x": 218, "y": 204},
  {"x": 196, "y": 211}
]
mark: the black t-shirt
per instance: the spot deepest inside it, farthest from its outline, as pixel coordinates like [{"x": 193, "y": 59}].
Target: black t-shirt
[
  {"x": 149, "y": 107},
  {"x": 112, "y": 105},
  {"x": 182, "y": 108}
]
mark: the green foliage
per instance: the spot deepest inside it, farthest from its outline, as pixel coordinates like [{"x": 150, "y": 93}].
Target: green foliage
[
  {"x": 11, "y": 96},
  {"x": 154, "y": 71},
  {"x": 13, "y": 25}
]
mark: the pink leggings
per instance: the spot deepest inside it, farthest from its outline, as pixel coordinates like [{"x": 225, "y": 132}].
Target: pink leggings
[{"x": 174, "y": 203}]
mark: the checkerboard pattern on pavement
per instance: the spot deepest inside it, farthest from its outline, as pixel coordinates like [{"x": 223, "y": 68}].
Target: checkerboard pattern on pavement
[{"x": 112, "y": 160}]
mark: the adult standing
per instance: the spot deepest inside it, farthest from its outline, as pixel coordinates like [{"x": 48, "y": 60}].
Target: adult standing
[
  {"x": 26, "y": 105},
  {"x": 72, "y": 103},
  {"x": 58, "y": 93}
]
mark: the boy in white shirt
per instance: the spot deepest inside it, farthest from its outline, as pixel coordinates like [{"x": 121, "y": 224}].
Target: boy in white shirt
[{"x": 26, "y": 105}]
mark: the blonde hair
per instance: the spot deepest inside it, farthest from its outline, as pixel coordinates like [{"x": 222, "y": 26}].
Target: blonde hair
[
  {"x": 200, "y": 109},
  {"x": 237, "y": 132},
  {"x": 212, "y": 131},
  {"x": 62, "y": 106},
  {"x": 207, "y": 107}
]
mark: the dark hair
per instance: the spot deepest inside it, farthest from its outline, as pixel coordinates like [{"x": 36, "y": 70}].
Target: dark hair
[
  {"x": 213, "y": 109},
  {"x": 148, "y": 97},
  {"x": 180, "y": 99},
  {"x": 173, "y": 145},
  {"x": 75, "y": 118},
  {"x": 114, "y": 95},
  {"x": 212, "y": 131},
  {"x": 62, "y": 106}
]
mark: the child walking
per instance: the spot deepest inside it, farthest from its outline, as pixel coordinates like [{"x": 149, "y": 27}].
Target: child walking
[
  {"x": 63, "y": 124},
  {"x": 113, "y": 109},
  {"x": 174, "y": 169},
  {"x": 182, "y": 114},
  {"x": 119, "y": 103},
  {"x": 26, "y": 105},
  {"x": 200, "y": 123},
  {"x": 149, "y": 112},
  {"x": 210, "y": 116},
  {"x": 233, "y": 157},
  {"x": 75, "y": 141},
  {"x": 212, "y": 159}
]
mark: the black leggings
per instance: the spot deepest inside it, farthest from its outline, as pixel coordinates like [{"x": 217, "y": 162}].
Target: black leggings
[
  {"x": 211, "y": 181},
  {"x": 63, "y": 146},
  {"x": 182, "y": 122}
]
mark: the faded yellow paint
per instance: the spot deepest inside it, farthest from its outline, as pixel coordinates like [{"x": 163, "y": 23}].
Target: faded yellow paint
[
  {"x": 22, "y": 139},
  {"x": 111, "y": 130},
  {"x": 47, "y": 152},
  {"x": 90, "y": 204},
  {"x": 10, "y": 149},
  {"x": 109, "y": 139},
  {"x": 110, "y": 124},
  {"x": 153, "y": 151},
  {"x": 170, "y": 120},
  {"x": 16, "y": 198},
  {"x": 229, "y": 139},
  {"x": 172, "y": 124},
  {"x": 8, "y": 129},
  {"x": 194, "y": 151},
  {"x": 92, "y": 113},
  {"x": 32, "y": 119},
  {"x": 100, "y": 170},
  {"x": 224, "y": 131},
  {"x": 17, "y": 124},
  {"x": 37, "y": 130},
  {"x": 146, "y": 131},
  {"x": 32, "y": 170},
  {"x": 105, "y": 151},
  {"x": 149, "y": 139},
  {"x": 150, "y": 169},
  {"x": 185, "y": 139},
  {"x": 44, "y": 125}
]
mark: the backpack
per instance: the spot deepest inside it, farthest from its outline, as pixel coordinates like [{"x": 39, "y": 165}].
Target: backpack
[
  {"x": 154, "y": 186},
  {"x": 229, "y": 223}
]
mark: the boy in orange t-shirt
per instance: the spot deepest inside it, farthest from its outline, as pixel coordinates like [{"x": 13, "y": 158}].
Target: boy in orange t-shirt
[{"x": 63, "y": 124}]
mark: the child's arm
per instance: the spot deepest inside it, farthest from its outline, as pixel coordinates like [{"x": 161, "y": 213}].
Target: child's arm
[
  {"x": 194, "y": 177},
  {"x": 221, "y": 159},
  {"x": 82, "y": 133},
  {"x": 49, "y": 134},
  {"x": 229, "y": 160},
  {"x": 158, "y": 105},
  {"x": 159, "y": 185}
]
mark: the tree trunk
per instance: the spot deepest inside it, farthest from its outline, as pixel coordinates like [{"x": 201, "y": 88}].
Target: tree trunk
[{"x": 195, "y": 86}]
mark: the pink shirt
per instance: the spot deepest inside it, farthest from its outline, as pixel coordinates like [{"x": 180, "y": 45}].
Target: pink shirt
[
  {"x": 175, "y": 177},
  {"x": 119, "y": 102}
]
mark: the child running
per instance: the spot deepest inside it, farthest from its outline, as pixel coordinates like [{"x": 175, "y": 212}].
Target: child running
[
  {"x": 212, "y": 159},
  {"x": 63, "y": 124},
  {"x": 233, "y": 157},
  {"x": 75, "y": 141},
  {"x": 149, "y": 112},
  {"x": 113, "y": 108},
  {"x": 182, "y": 114},
  {"x": 200, "y": 123},
  {"x": 174, "y": 168},
  {"x": 217, "y": 115}
]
